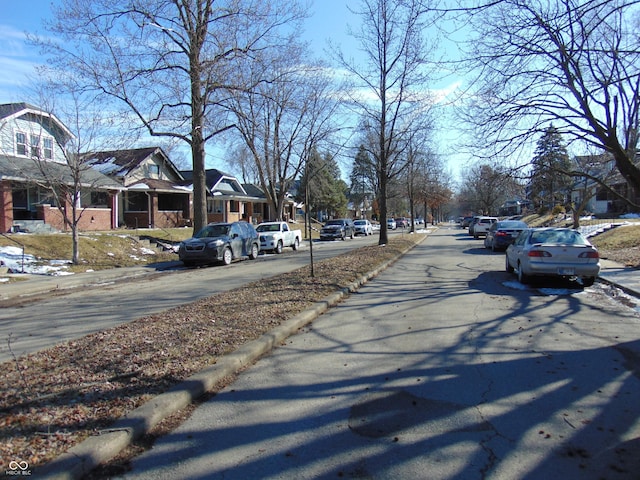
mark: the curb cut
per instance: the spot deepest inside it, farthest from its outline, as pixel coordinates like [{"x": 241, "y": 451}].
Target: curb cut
[{"x": 95, "y": 450}]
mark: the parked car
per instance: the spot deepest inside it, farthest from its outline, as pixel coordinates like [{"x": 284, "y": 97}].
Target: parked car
[
  {"x": 391, "y": 224},
  {"x": 472, "y": 223},
  {"x": 465, "y": 222},
  {"x": 482, "y": 224},
  {"x": 220, "y": 242},
  {"x": 402, "y": 222},
  {"x": 501, "y": 234},
  {"x": 341, "y": 229},
  {"x": 274, "y": 236},
  {"x": 555, "y": 252},
  {"x": 363, "y": 227}
]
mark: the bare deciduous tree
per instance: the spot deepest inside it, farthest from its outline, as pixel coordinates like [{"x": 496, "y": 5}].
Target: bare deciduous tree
[
  {"x": 170, "y": 64},
  {"x": 283, "y": 120},
  {"x": 575, "y": 63},
  {"x": 390, "y": 84}
]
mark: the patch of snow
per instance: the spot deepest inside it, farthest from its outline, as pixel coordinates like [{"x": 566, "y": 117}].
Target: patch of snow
[
  {"x": 515, "y": 285},
  {"x": 12, "y": 258},
  {"x": 147, "y": 251},
  {"x": 559, "y": 291}
]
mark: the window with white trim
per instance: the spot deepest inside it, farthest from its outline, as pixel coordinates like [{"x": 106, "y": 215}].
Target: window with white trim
[
  {"x": 47, "y": 148},
  {"x": 21, "y": 143},
  {"x": 35, "y": 145}
]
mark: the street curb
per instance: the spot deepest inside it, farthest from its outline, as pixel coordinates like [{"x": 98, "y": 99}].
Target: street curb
[
  {"x": 88, "y": 454},
  {"x": 629, "y": 291}
]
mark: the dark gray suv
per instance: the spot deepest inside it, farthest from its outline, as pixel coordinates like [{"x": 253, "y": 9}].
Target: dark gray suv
[
  {"x": 220, "y": 243},
  {"x": 341, "y": 229}
]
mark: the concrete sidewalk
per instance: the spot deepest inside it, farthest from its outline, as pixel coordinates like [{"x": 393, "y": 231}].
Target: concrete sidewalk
[{"x": 625, "y": 278}]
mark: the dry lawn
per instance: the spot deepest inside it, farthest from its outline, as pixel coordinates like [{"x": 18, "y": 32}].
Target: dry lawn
[{"x": 53, "y": 399}]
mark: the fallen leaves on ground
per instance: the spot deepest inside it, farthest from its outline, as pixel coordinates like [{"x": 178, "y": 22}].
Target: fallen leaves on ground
[{"x": 53, "y": 399}]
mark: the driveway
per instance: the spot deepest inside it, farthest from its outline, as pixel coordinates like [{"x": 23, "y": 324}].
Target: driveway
[{"x": 442, "y": 367}]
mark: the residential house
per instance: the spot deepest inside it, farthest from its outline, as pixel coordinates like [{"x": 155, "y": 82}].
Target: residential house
[
  {"x": 155, "y": 194},
  {"x": 34, "y": 165},
  {"x": 264, "y": 210},
  {"x": 600, "y": 200},
  {"x": 228, "y": 200}
]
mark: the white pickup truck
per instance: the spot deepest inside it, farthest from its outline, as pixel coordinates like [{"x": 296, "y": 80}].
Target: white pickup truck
[{"x": 274, "y": 236}]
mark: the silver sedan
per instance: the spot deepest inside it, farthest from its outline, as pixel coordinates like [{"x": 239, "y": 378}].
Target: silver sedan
[{"x": 555, "y": 252}]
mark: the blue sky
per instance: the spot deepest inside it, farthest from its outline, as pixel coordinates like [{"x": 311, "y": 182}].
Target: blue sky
[{"x": 329, "y": 19}]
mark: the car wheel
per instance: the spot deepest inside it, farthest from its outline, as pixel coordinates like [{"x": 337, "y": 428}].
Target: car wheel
[
  {"x": 253, "y": 254},
  {"x": 507, "y": 265},
  {"x": 588, "y": 281},
  {"x": 296, "y": 244},
  {"x": 493, "y": 247},
  {"x": 522, "y": 278},
  {"x": 279, "y": 247},
  {"x": 227, "y": 256}
]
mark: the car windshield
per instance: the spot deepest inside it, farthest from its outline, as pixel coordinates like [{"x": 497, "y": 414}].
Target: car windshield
[
  {"x": 334, "y": 222},
  {"x": 213, "y": 231},
  {"x": 360, "y": 222},
  {"x": 269, "y": 228},
  {"x": 559, "y": 237}
]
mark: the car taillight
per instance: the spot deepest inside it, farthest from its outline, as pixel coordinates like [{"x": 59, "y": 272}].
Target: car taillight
[
  {"x": 502, "y": 234},
  {"x": 589, "y": 254},
  {"x": 538, "y": 253}
]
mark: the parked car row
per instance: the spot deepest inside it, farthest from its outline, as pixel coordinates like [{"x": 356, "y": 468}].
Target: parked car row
[
  {"x": 538, "y": 252},
  {"x": 225, "y": 242},
  {"x": 530, "y": 252}
]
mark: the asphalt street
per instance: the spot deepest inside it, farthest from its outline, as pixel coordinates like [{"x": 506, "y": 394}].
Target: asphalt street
[
  {"x": 42, "y": 311},
  {"x": 442, "y": 367}
]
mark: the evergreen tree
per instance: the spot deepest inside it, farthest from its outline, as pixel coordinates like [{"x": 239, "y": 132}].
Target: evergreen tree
[
  {"x": 550, "y": 185},
  {"x": 327, "y": 191},
  {"x": 362, "y": 180}
]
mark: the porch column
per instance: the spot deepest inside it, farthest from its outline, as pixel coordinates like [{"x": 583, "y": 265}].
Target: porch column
[
  {"x": 113, "y": 204},
  {"x": 6, "y": 216}
]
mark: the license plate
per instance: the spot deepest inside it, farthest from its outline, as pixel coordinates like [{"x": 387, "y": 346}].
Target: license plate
[{"x": 566, "y": 271}]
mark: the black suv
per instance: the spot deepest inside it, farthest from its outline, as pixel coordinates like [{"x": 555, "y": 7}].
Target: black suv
[
  {"x": 220, "y": 242},
  {"x": 341, "y": 229}
]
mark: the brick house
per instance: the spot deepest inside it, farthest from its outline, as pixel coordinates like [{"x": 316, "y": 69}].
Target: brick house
[
  {"x": 155, "y": 194},
  {"x": 33, "y": 162}
]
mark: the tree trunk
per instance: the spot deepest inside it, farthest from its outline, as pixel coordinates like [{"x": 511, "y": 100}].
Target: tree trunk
[
  {"x": 199, "y": 186},
  {"x": 198, "y": 150},
  {"x": 382, "y": 202}
]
